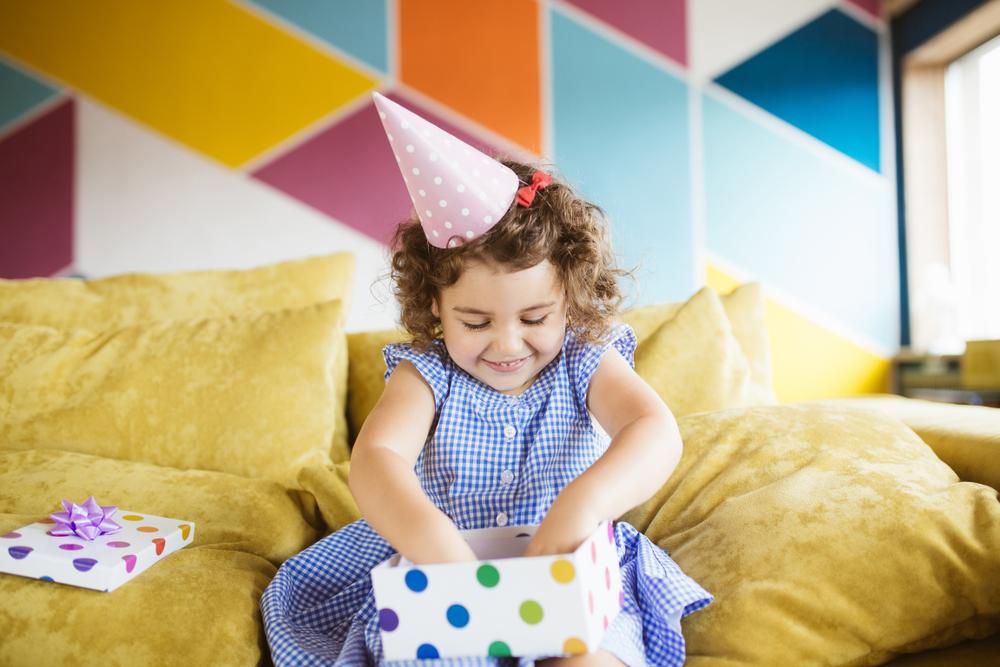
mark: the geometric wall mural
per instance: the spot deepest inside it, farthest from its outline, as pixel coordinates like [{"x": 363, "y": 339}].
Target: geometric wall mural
[
  {"x": 821, "y": 78},
  {"x": 725, "y": 141}
]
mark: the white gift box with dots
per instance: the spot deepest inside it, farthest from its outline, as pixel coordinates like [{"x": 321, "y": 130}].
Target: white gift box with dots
[
  {"x": 104, "y": 563},
  {"x": 503, "y": 604}
]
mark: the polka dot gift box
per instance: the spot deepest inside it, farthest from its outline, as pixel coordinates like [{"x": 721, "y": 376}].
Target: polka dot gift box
[
  {"x": 92, "y": 546},
  {"x": 503, "y": 604}
]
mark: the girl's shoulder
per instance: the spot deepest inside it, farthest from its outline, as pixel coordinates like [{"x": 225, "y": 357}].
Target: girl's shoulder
[
  {"x": 582, "y": 357},
  {"x": 433, "y": 364}
]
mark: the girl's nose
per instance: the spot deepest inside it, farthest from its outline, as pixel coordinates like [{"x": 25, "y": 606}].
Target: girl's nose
[{"x": 508, "y": 342}]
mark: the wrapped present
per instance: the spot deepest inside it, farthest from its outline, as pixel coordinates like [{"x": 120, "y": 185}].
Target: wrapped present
[
  {"x": 504, "y": 604},
  {"x": 92, "y": 546}
]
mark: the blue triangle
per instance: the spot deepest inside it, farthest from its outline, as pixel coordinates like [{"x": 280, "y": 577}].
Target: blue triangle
[{"x": 823, "y": 79}]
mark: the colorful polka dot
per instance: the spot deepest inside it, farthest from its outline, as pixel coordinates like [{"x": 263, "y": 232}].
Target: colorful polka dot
[
  {"x": 46, "y": 579},
  {"x": 148, "y": 529},
  {"x": 160, "y": 544},
  {"x": 531, "y": 612},
  {"x": 129, "y": 562},
  {"x": 562, "y": 571},
  {"x": 498, "y": 649},
  {"x": 593, "y": 551},
  {"x": 427, "y": 652},
  {"x": 18, "y": 553},
  {"x": 84, "y": 564},
  {"x": 388, "y": 620},
  {"x": 611, "y": 533},
  {"x": 458, "y": 616},
  {"x": 12, "y": 535},
  {"x": 574, "y": 646},
  {"x": 488, "y": 576},
  {"x": 132, "y": 517},
  {"x": 607, "y": 577},
  {"x": 185, "y": 530},
  {"x": 117, "y": 544},
  {"x": 71, "y": 547},
  {"x": 416, "y": 580}
]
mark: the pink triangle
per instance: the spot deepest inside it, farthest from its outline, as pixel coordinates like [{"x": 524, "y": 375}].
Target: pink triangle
[
  {"x": 870, "y": 6},
  {"x": 659, "y": 24}
]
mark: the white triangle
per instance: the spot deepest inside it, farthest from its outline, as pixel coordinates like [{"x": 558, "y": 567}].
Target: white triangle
[
  {"x": 724, "y": 33},
  {"x": 146, "y": 203}
]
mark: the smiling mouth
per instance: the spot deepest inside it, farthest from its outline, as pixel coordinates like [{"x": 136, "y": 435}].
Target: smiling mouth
[{"x": 506, "y": 365}]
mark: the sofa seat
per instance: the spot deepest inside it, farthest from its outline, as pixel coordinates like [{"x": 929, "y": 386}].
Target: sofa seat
[{"x": 244, "y": 529}]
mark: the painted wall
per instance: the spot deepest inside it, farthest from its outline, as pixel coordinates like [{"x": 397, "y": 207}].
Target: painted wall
[{"x": 729, "y": 140}]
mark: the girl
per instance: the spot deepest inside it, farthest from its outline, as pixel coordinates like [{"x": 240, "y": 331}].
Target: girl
[{"x": 506, "y": 283}]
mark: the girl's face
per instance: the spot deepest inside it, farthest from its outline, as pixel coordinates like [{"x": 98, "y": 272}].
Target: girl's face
[{"x": 503, "y": 328}]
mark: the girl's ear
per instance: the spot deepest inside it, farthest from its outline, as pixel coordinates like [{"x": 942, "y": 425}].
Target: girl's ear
[{"x": 434, "y": 309}]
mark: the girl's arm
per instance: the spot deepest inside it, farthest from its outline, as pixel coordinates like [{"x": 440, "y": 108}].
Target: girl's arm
[
  {"x": 383, "y": 481},
  {"x": 644, "y": 451}
]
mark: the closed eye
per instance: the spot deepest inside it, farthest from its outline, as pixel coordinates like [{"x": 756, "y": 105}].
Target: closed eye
[{"x": 476, "y": 327}]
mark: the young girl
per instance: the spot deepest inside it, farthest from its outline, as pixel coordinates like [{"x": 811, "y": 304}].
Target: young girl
[{"x": 506, "y": 283}]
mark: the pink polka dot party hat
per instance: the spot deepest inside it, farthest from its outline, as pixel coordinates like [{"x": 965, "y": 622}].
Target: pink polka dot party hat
[{"x": 458, "y": 192}]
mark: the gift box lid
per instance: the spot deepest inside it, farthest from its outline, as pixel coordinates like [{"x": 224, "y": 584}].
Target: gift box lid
[{"x": 104, "y": 563}]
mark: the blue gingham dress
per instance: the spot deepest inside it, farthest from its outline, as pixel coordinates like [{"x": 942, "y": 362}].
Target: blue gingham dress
[{"x": 490, "y": 459}]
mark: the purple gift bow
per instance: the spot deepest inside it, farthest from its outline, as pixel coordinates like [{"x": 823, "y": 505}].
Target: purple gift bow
[{"x": 88, "y": 521}]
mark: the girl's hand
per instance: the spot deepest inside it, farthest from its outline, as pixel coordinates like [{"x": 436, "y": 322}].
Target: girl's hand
[
  {"x": 445, "y": 546},
  {"x": 565, "y": 527}
]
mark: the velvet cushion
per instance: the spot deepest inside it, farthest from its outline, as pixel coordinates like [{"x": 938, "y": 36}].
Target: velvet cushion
[
  {"x": 694, "y": 362},
  {"x": 745, "y": 309},
  {"x": 198, "y": 605},
  {"x": 251, "y": 395},
  {"x": 966, "y": 437},
  {"x": 828, "y": 536},
  {"x": 366, "y": 373},
  {"x": 133, "y": 298}
]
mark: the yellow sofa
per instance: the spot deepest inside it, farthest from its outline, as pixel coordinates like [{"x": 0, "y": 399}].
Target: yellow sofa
[{"x": 830, "y": 532}]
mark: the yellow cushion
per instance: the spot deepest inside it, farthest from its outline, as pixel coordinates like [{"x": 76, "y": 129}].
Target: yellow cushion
[
  {"x": 745, "y": 309},
  {"x": 250, "y": 395},
  {"x": 827, "y": 536},
  {"x": 966, "y": 437},
  {"x": 328, "y": 486},
  {"x": 118, "y": 301},
  {"x": 366, "y": 373},
  {"x": 693, "y": 361},
  {"x": 180, "y": 606}
]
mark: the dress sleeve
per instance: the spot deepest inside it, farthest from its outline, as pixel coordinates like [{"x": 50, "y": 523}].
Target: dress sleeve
[
  {"x": 429, "y": 364},
  {"x": 586, "y": 358}
]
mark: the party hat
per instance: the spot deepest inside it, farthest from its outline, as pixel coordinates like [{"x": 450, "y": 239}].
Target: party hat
[{"x": 458, "y": 192}]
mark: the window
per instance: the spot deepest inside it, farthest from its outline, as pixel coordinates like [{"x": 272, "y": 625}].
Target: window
[{"x": 972, "y": 131}]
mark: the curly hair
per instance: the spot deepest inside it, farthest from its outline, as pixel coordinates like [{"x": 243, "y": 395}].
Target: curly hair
[{"x": 559, "y": 226}]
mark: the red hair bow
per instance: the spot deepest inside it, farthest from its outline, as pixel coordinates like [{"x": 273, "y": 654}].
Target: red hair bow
[{"x": 526, "y": 195}]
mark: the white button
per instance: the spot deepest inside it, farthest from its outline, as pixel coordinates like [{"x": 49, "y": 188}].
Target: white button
[
  {"x": 509, "y": 431},
  {"x": 502, "y": 519},
  {"x": 506, "y": 477}
]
